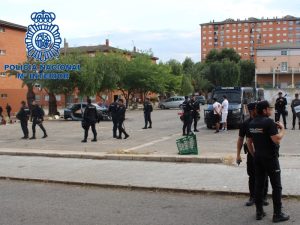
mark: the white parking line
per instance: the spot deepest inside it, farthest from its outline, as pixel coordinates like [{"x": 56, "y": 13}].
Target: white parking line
[{"x": 155, "y": 141}]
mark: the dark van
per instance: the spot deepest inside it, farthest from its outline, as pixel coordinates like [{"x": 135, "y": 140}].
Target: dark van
[{"x": 238, "y": 98}]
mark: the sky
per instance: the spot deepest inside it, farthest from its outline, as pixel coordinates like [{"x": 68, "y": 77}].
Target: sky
[{"x": 169, "y": 28}]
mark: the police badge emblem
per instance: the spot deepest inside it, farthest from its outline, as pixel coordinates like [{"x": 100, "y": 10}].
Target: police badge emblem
[{"x": 43, "y": 38}]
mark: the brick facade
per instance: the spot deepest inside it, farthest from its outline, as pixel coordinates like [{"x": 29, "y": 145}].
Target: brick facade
[{"x": 245, "y": 36}]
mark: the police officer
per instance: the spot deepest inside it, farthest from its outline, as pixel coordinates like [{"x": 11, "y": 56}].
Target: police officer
[
  {"x": 37, "y": 118},
  {"x": 263, "y": 139},
  {"x": 90, "y": 117},
  {"x": 250, "y": 163},
  {"x": 23, "y": 116},
  {"x": 195, "y": 112},
  {"x": 295, "y": 105},
  {"x": 113, "y": 109},
  {"x": 8, "y": 110},
  {"x": 147, "y": 113},
  {"x": 187, "y": 108},
  {"x": 280, "y": 108},
  {"x": 121, "y": 118}
]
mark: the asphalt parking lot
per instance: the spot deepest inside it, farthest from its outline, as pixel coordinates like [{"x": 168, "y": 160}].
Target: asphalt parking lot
[{"x": 161, "y": 139}]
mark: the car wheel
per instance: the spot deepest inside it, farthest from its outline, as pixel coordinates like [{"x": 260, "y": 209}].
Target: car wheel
[
  {"x": 180, "y": 106},
  {"x": 162, "y": 107}
]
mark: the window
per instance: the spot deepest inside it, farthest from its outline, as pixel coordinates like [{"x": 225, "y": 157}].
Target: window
[
  {"x": 278, "y": 41},
  {"x": 264, "y": 35},
  {"x": 278, "y": 28},
  {"x": 284, "y": 28},
  {"x": 2, "y": 52},
  {"x": 204, "y": 49},
  {"x": 284, "y": 34},
  {"x": 2, "y": 29},
  {"x": 246, "y": 42},
  {"x": 278, "y": 34},
  {"x": 291, "y": 22},
  {"x": 3, "y": 95},
  {"x": 245, "y": 30},
  {"x": 204, "y": 32},
  {"x": 245, "y": 35},
  {"x": 233, "y": 36},
  {"x": 270, "y": 41},
  {"x": 271, "y": 29},
  {"x": 284, "y": 22},
  {"x": 233, "y": 30},
  {"x": 270, "y": 35},
  {"x": 264, "y": 29},
  {"x": 204, "y": 38},
  {"x": 209, "y": 38},
  {"x": 239, "y": 42},
  {"x": 270, "y": 23},
  {"x": 284, "y": 67},
  {"x": 264, "y": 23}
]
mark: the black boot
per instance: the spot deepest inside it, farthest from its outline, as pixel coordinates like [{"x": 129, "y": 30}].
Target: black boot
[
  {"x": 84, "y": 141},
  {"x": 280, "y": 217},
  {"x": 250, "y": 202},
  {"x": 94, "y": 140},
  {"x": 45, "y": 135},
  {"x": 33, "y": 137},
  {"x": 144, "y": 128},
  {"x": 150, "y": 126},
  {"x": 126, "y": 136},
  {"x": 260, "y": 215}
]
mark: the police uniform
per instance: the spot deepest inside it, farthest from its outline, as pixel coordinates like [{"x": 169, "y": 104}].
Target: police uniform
[
  {"x": 90, "y": 117},
  {"x": 23, "y": 116},
  {"x": 147, "y": 114},
  {"x": 8, "y": 110},
  {"x": 187, "y": 108},
  {"x": 121, "y": 118},
  {"x": 37, "y": 117},
  {"x": 113, "y": 109},
  {"x": 195, "y": 113},
  {"x": 266, "y": 162},
  {"x": 295, "y": 103},
  {"x": 280, "y": 109},
  {"x": 250, "y": 166}
]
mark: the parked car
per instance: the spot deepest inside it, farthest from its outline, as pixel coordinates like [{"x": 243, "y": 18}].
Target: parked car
[
  {"x": 173, "y": 102},
  {"x": 75, "y": 111},
  {"x": 201, "y": 99}
]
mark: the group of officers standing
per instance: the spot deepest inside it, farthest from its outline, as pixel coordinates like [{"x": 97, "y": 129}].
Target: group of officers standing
[
  {"x": 191, "y": 114},
  {"x": 262, "y": 149}
]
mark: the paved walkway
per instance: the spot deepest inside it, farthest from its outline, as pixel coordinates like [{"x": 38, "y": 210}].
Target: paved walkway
[{"x": 140, "y": 174}]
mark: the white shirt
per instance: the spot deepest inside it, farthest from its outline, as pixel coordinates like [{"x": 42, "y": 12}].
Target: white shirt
[
  {"x": 217, "y": 108},
  {"x": 225, "y": 106}
]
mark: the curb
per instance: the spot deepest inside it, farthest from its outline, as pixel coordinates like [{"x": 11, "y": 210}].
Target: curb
[
  {"x": 138, "y": 188},
  {"x": 153, "y": 158}
]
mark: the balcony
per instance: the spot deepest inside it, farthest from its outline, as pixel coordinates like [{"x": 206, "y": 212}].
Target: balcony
[{"x": 270, "y": 70}]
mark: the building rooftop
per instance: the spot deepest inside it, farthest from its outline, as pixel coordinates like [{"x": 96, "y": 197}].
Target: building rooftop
[
  {"x": 99, "y": 48},
  {"x": 12, "y": 25},
  {"x": 252, "y": 20},
  {"x": 280, "y": 46}
]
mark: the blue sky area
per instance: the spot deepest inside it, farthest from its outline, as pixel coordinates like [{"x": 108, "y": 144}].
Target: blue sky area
[{"x": 170, "y": 28}]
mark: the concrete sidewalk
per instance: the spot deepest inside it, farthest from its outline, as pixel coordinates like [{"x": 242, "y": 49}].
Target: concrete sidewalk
[{"x": 184, "y": 177}]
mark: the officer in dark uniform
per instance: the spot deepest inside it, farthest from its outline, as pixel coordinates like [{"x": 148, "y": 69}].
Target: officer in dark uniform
[
  {"x": 195, "y": 112},
  {"x": 8, "y": 110},
  {"x": 147, "y": 113},
  {"x": 187, "y": 108},
  {"x": 296, "y": 113},
  {"x": 113, "y": 109},
  {"x": 90, "y": 117},
  {"x": 121, "y": 118},
  {"x": 250, "y": 163},
  {"x": 280, "y": 108},
  {"x": 263, "y": 141},
  {"x": 37, "y": 118},
  {"x": 1, "y": 110},
  {"x": 23, "y": 116}
]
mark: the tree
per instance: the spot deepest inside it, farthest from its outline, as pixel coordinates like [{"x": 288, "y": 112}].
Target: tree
[
  {"x": 247, "y": 72},
  {"x": 225, "y": 54},
  {"x": 186, "y": 85},
  {"x": 175, "y": 67},
  {"x": 187, "y": 65}
]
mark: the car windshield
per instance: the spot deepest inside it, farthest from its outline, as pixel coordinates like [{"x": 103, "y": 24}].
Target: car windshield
[{"x": 233, "y": 97}]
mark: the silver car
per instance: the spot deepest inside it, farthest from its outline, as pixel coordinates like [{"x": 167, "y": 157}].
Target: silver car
[{"x": 173, "y": 102}]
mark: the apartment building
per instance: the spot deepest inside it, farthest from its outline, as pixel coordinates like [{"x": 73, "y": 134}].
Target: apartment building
[
  {"x": 12, "y": 51},
  {"x": 245, "y": 36},
  {"x": 278, "y": 66}
]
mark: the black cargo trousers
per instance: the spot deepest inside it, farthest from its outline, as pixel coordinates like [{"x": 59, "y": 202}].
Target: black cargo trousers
[{"x": 264, "y": 167}]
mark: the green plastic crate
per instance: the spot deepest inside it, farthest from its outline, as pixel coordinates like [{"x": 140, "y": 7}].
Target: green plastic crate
[{"x": 187, "y": 145}]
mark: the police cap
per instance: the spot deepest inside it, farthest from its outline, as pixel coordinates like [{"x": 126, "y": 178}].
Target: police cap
[
  {"x": 251, "y": 106},
  {"x": 260, "y": 106}
]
